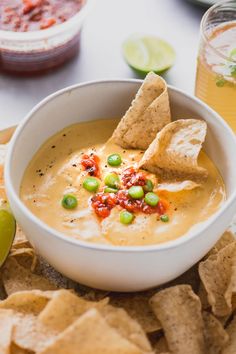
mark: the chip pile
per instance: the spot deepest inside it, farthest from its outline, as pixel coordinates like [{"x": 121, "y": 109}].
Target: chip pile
[{"x": 42, "y": 312}]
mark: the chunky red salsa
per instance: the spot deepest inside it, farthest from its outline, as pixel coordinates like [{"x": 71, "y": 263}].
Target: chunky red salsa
[
  {"x": 90, "y": 164},
  {"x": 103, "y": 203},
  {"x": 33, "y": 15}
]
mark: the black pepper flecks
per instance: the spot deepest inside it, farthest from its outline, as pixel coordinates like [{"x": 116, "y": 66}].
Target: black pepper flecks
[{"x": 53, "y": 146}]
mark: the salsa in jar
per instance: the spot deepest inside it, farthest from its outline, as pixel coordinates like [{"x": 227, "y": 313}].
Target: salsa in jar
[{"x": 33, "y": 48}]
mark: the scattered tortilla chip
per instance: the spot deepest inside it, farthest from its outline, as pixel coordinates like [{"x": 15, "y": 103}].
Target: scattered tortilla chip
[
  {"x": 31, "y": 334},
  {"x": 215, "y": 335},
  {"x": 173, "y": 155},
  {"x": 218, "y": 276},
  {"x": 137, "y": 306},
  {"x": 230, "y": 348},
  {"x": 7, "y": 323},
  {"x": 32, "y": 302},
  {"x": 17, "y": 278},
  {"x": 20, "y": 240},
  {"x": 176, "y": 187},
  {"x": 102, "y": 338},
  {"x": 64, "y": 308},
  {"x": 226, "y": 239},
  {"x": 25, "y": 257},
  {"x": 179, "y": 311},
  {"x": 126, "y": 326},
  {"x": 148, "y": 114}
]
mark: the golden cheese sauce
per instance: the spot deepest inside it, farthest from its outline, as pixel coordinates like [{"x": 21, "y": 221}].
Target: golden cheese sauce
[{"x": 56, "y": 170}]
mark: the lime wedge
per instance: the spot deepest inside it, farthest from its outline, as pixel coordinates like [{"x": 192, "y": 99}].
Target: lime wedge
[
  {"x": 148, "y": 53},
  {"x": 7, "y": 231}
]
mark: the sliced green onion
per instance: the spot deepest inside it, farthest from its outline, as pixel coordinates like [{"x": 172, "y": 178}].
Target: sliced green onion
[
  {"x": 151, "y": 199},
  {"x": 126, "y": 217},
  {"x": 91, "y": 184},
  {"x": 165, "y": 218},
  {"x": 112, "y": 180},
  {"x": 69, "y": 201},
  {"x": 148, "y": 187},
  {"x": 136, "y": 192},
  {"x": 114, "y": 160}
]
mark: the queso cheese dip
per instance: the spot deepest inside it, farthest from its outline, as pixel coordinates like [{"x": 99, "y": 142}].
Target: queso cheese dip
[{"x": 81, "y": 184}]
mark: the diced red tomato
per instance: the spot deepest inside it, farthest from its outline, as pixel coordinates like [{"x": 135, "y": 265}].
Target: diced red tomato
[
  {"x": 131, "y": 177},
  {"x": 90, "y": 164}
]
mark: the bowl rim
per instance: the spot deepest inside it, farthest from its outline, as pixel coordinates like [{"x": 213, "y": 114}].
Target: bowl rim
[
  {"x": 96, "y": 246},
  {"x": 49, "y": 32}
]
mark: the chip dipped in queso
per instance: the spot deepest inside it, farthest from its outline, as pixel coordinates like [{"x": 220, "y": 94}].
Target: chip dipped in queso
[{"x": 139, "y": 181}]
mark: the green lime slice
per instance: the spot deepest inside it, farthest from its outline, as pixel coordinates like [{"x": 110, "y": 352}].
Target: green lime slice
[
  {"x": 148, "y": 53},
  {"x": 7, "y": 232}
]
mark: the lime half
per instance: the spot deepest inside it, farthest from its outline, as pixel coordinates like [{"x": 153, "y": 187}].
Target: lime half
[
  {"x": 7, "y": 232},
  {"x": 148, "y": 53}
]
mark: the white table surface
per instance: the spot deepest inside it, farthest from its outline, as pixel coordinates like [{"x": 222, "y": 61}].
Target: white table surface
[{"x": 108, "y": 24}]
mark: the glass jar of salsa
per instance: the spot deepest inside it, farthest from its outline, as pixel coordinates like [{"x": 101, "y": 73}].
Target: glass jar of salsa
[{"x": 37, "y": 35}]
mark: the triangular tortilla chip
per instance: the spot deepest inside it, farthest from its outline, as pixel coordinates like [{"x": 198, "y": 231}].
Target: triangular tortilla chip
[
  {"x": 173, "y": 155},
  {"x": 30, "y": 334},
  {"x": 32, "y": 302},
  {"x": 137, "y": 306},
  {"x": 148, "y": 114},
  {"x": 225, "y": 240},
  {"x": 91, "y": 334},
  {"x": 216, "y": 337},
  {"x": 128, "y": 328},
  {"x": 218, "y": 275},
  {"x": 64, "y": 308},
  {"x": 7, "y": 322},
  {"x": 179, "y": 311},
  {"x": 17, "y": 278}
]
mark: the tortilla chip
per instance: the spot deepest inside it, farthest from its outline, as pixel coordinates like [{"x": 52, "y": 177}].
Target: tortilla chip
[
  {"x": 226, "y": 239},
  {"x": 203, "y": 297},
  {"x": 218, "y": 276},
  {"x": 126, "y": 326},
  {"x": 20, "y": 239},
  {"x": 148, "y": 114},
  {"x": 215, "y": 335},
  {"x": 173, "y": 155},
  {"x": 64, "y": 308},
  {"x": 179, "y": 311},
  {"x": 7, "y": 323},
  {"x": 32, "y": 302},
  {"x": 91, "y": 334},
  {"x": 17, "y": 278},
  {"x": 176, "y": 187},
  {"x": 31, "y": 334},
  {"x": 230, "y": 348},
  {"x": 25, "y": 257},
  {"x": 137, "y": 306}
]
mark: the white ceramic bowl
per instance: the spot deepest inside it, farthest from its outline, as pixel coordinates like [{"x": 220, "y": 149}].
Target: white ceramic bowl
[{"x": 111, "y": 267}]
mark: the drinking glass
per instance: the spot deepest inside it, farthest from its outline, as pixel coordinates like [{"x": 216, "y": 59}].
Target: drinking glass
[{"x": 216, "y": 70}]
